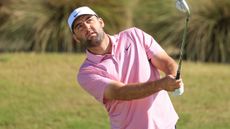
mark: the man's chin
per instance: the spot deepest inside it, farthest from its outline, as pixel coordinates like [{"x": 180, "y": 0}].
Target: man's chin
[
  {"x": 92, "y": 43},
  {"x": 93, "y": 38}
]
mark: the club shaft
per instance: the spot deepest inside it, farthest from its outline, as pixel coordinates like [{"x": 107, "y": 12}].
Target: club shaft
[{"x": 182, "y": 48}]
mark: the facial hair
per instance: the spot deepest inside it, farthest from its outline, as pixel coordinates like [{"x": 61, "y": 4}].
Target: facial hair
[{"x": 94, "y": 41}]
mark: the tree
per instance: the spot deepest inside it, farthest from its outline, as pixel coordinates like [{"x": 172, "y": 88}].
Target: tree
[
  {"x": 41, "y": 25},
  {"x": 209, "y": 28}
]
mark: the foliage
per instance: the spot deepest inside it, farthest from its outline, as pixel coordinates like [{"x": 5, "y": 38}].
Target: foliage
[
  {"x": 4, "y": 11},
  {"x": 209, "y": 28},
  {"x": 44, "y": 26},
  {"x": 209, "y": 36}
]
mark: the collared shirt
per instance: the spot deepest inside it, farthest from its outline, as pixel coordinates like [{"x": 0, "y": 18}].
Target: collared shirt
[{"x": 129, "y": 62}]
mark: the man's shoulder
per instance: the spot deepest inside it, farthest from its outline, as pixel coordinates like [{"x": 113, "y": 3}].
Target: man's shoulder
[
  {"x": 130, "y": 30},
  {"x": 86, "y": 65},
  {"x": 85, "y": 69}
]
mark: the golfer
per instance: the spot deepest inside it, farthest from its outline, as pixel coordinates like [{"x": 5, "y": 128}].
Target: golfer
[{"x": 122, "y": 72}]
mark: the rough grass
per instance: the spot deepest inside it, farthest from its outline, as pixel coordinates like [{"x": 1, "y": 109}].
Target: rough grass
[{"x": 39, "y": 91}]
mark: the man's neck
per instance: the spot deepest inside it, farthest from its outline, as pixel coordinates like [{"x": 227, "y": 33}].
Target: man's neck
[{"x": 104, "y": 48}]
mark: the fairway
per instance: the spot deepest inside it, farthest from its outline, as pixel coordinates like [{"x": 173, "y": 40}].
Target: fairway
[{"x": 39, "y": 91}]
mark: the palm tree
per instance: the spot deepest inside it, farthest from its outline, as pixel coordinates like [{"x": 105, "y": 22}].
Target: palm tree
[
  {"x": 209, "y": 28},
  {"x": 4, "y": 11},
  {"x": 210, "y": 32},
  {"x": 43, "y": 23},
  {"x": 4, "y": 16}
]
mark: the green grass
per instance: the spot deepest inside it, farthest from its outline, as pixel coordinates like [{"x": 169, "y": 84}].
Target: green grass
[
  {"x": 39, "y": 91},
  {"x": 206, "y": 103}
]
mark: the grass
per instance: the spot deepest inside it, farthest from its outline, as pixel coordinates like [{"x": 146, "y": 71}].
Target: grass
[
  {"x": 39, "y": 91},
  {"x": 205, "y": 104}
]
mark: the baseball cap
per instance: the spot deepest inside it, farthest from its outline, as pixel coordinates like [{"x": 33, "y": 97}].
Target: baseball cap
[{"x": 79, "y": 12}]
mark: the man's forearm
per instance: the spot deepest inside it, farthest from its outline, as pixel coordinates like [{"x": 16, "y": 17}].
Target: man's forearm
[
  {"x": 171, "y": 67},
  {"x": 165, "y": 63},
  {"x": 119, "y": 91},
  {"x": 136, "y": 90}
]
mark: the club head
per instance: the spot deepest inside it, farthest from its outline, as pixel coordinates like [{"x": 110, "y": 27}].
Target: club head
[{"x": 182, "y": 6}]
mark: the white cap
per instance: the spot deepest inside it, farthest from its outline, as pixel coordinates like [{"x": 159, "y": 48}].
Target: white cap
[{"x": 78, "y": 12}]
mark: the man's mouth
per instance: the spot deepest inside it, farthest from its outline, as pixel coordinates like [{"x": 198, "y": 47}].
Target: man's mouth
[{"x": 90, "y": 35}]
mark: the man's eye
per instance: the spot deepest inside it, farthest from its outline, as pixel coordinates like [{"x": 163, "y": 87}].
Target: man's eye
[
  {"x": 89, "y": 19},
  {"x": 79, "y": 26}
]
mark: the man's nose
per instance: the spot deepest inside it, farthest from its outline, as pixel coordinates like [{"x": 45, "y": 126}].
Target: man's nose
[{"x": 86, "y": 25}]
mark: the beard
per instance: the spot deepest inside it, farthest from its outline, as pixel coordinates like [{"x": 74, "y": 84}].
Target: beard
[{"x": 94, "y": 41}]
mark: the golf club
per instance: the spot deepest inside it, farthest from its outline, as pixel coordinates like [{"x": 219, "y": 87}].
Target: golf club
[{"x": 183, "y": 7}]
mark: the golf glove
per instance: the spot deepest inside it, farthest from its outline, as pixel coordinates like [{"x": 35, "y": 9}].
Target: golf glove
[{"x": 179, "y": 91}]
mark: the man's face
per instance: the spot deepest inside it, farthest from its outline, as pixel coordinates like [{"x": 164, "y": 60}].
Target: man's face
[{"x": 88, "y": 29}]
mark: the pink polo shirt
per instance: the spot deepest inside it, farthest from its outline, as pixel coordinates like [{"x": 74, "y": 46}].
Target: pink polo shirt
[{"x": 129, "y": 63}]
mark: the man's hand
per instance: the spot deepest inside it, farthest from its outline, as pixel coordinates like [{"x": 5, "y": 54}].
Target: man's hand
[{"x": 169, "y": 83}]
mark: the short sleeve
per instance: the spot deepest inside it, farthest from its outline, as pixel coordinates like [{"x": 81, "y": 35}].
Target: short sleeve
[
  {"x": 94, "y": 84},
  {"x": 149, "y": 43}
]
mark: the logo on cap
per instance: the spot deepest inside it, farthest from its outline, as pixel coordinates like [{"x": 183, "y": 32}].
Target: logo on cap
[{"x": 75, "y": 15}]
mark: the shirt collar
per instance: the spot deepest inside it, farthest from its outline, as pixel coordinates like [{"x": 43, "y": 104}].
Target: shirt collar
[{"x": 98, "y": 58}]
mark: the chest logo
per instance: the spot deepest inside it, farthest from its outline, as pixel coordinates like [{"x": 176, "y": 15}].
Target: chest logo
[{"x": 127, "y": 48}]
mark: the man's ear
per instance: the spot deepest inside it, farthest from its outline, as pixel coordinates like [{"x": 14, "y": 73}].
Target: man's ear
[
  {"x": 102, "y": 22},
  {"x": 75, "y": 38}
]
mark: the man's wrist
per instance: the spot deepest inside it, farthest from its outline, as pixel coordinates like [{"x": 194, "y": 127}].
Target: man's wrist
[{"x": 158, "y": 85}]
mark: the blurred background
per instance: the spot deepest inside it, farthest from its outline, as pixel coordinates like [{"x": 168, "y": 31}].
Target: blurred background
[
  {"x": 41, "y": 25},
  {"x": 39, "y": 61}
]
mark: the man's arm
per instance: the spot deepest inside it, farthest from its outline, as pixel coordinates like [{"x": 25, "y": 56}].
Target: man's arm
[
  {"x": 165, "y": 63},
  {"x": 120, "y": 91}
]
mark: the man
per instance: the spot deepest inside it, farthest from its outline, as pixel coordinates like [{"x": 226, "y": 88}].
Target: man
[{"x": 121, "y": 72}]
